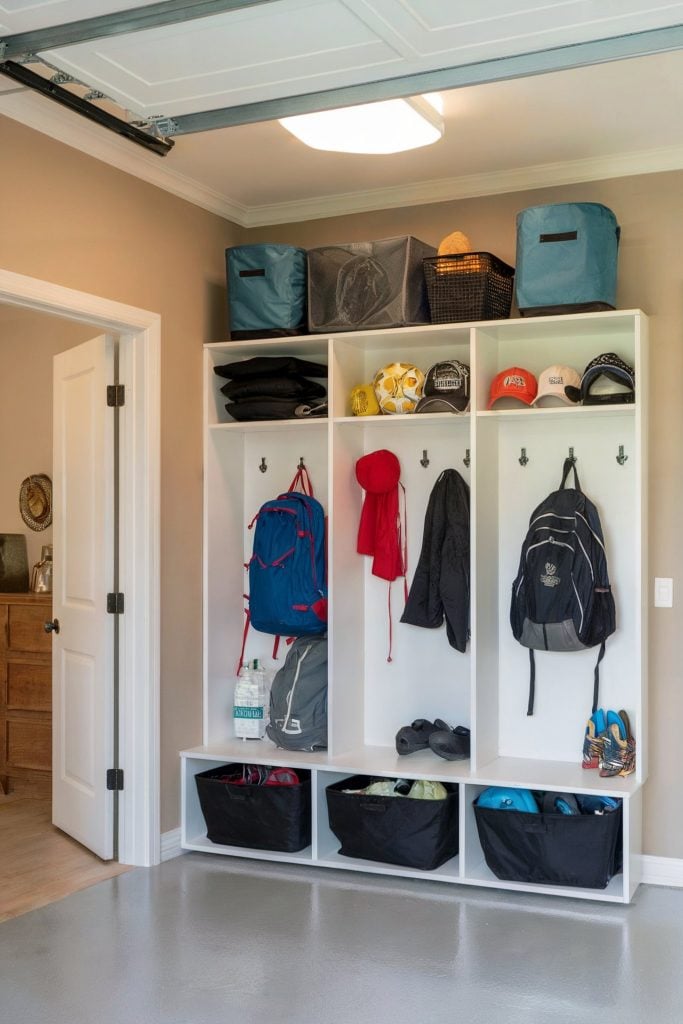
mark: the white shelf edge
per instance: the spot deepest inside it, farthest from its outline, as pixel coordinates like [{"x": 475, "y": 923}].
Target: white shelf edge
[
  {"x": 384, "y": 762},
  {"x": 263, "y": 426},
  {"x": 202, "y": 844},
  {"x": 624, "y": 409},
  {"x": 456, "y": 325},
  {"x": 447, "y": 872}
]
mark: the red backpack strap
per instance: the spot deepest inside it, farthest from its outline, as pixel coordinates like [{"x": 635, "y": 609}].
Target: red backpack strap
[
  {"x": 247, "y": 620},
  {"x": 302, "y": 481}
]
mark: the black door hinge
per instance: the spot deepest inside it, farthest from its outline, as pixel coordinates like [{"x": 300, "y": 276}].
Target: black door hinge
[
  {"x": 116, "y": 395},
  {"x": 115, "y": 604},
  {"x": 115, "y": 778}
]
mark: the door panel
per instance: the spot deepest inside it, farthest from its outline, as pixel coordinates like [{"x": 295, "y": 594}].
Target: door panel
[{"x": 82, "y": 651}]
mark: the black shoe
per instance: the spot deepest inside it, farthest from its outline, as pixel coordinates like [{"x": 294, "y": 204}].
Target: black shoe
[
  {"x": 451, "y": 744},
  {"x": 414, "y": 737}
]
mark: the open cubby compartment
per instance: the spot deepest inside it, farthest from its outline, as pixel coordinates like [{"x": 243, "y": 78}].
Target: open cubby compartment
[
  {"x": 314, "y": 349},
  {"x": 327, "y": 848},
  {"x": 357, "y": 357},
  {"x": 505, "y": 494},
  {"x": 539, "y": 343},
  {"x": 621, "y": 886},
  {"x": 235, "y": 488},
  {"x": 193, "y": 833},
  {"x": 372, "y": 697}
]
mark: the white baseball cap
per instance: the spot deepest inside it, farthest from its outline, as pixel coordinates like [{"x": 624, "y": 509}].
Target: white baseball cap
[{"x": 554, "y": 381}]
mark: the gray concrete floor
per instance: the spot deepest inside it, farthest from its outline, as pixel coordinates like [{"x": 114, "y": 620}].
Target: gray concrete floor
[{"x": 203, "y": 938}]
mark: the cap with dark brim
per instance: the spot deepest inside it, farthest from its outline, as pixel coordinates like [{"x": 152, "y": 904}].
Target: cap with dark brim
[
  {"x": 439, "y": 403},
  {"x": 614, "y": 369}
]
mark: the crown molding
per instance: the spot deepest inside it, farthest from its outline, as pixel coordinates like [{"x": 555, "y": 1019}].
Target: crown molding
[
  {"x": 441, "y": 190},
  {"x": 49, "y": 119},
  {"x": 71, "y": 130}
]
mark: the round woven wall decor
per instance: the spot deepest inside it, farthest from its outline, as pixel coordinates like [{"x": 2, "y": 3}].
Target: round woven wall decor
[{"x": 35, "y": 501}]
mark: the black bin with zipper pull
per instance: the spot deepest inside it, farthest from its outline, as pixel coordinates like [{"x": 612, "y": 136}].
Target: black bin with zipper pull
[
  {"x": 550, "y": 848},
  {"x": 414, "y": 833},
  {"x": 260, "y": 817}
]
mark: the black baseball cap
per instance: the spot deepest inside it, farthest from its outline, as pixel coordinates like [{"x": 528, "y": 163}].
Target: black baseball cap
[
  {"x": 446, "y": 388},
  {"x": 607, "y": 380}
]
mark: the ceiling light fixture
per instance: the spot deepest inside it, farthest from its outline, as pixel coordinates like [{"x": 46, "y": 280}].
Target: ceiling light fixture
[{"x": 391, "y": 126}]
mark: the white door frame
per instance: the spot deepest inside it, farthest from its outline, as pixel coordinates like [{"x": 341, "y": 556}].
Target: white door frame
[{"x": 139, "y": 365}]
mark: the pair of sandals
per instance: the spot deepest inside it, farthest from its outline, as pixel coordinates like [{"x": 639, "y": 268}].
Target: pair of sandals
[{"x": 451, "y": 744}]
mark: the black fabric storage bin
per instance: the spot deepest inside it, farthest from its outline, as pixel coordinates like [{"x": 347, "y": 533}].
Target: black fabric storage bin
[
  {"x": 260, "y": 817},
  {"x": 361, "y": 285},
  {"x": 393, "y": 829},
  {"x": 552, "y": 849}
]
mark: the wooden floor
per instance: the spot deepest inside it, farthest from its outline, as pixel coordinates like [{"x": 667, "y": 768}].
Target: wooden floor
[{"x": 38, "y": 863}]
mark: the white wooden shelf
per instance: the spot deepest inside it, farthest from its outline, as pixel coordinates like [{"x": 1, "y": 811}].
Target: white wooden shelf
[{"x": 485, "y": 688}]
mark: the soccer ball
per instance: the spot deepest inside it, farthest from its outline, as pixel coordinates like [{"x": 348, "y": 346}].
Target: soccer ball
[{"x": 398, "y": 387}]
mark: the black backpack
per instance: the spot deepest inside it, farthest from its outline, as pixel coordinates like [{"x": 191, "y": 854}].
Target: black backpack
[
  {"x": 298, "y": 697},
  {"x": 561, "y": 598}
]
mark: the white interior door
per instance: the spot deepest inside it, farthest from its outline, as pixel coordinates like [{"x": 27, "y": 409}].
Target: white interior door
[{"x": 83, "y": 654}]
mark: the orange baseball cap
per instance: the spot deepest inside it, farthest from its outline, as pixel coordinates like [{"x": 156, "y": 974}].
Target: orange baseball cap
[{"x": 515, "y": 382}]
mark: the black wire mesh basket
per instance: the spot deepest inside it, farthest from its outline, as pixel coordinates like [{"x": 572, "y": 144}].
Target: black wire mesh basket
[{"x": 468, "y": 286}]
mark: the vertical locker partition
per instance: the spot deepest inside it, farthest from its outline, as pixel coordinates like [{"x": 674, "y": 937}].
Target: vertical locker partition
[{"x": 487, "y": 687}]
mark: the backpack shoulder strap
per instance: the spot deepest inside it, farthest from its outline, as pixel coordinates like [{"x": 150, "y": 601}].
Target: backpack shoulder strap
[{"x": 569, "y": 465}]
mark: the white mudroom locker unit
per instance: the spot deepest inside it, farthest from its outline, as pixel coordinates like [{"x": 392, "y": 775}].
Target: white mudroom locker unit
[{"x": 511, "y": 458}]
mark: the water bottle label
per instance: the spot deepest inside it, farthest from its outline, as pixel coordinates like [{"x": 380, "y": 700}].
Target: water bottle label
[{"x": 242, "y": 712}]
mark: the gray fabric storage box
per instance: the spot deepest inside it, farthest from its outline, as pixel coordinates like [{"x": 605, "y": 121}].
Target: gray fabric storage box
[{"x": 362, "y": 285}]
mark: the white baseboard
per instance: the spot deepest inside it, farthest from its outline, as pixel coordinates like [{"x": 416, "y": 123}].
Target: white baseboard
[
  {"x": 655, "y": 870},
  {"x": 662, "y": 871},
  {"x": 170, "y": 844}
]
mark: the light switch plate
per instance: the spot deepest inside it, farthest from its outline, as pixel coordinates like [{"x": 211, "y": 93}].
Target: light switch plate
[{"x": 664, "y": 592}]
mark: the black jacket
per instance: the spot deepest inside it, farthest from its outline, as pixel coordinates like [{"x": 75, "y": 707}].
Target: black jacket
[{"x": 441, "y": 585}]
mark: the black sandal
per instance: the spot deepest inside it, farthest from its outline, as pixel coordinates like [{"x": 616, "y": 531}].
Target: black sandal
[
  {"x": 414, "y": 737},
  {"x": 451, "y": 744}
]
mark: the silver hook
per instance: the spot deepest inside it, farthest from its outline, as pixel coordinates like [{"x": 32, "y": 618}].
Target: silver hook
[
  {"x": 424, "y": 461},
  {"x": 263, "y": 467},
  {"x": 523, "y": 459},
  {"x": 301, "y": 463},
  {"x": 466, "y": 460},
  {"x": 572, "y": 457},
  {"x": 621, "y": 458}
]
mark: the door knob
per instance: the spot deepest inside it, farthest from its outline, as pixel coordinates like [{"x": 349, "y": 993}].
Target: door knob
[{"x": 52, "y": 627}]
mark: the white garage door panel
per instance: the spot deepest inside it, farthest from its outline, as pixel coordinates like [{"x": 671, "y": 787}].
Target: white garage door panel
[
  {"x": 78, "y": 721},
  {"x": 25, "y": 16},
  {"x": 294, "y": 47},
  {"x": 263, "y": 52},
  {"x": 481, "y": 31}
]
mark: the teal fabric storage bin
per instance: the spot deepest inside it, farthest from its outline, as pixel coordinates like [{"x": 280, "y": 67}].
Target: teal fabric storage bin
[
  {"x": 266, "y": 290},
  {"x": 566, "y": 259}
]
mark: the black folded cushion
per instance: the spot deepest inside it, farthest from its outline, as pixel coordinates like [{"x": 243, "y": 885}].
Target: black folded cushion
[
  {"x": 270, "y": 366},
  {"x": 263, "y": 408},
  {"x": 273, "y": 387}
]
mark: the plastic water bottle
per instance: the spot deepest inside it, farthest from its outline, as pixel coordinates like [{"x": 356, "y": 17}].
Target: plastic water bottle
[
  {"x": 259, "y": 673},
  {"x": 248, "y": 710}
]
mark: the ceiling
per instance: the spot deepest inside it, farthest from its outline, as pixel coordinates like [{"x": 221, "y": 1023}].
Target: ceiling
[{"x": 541, "y": 97}]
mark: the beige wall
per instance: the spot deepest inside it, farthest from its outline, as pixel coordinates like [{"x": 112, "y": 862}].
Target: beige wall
[
  {"x": 67, "y": 218},
  {"x": 70, "y": 219},
  {"x": 649, "y": 209},
  {"x": 27, "y": 344}
]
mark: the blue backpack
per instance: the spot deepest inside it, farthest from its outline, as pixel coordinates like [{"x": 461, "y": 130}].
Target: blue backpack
[{"x": 287, "y": 571}]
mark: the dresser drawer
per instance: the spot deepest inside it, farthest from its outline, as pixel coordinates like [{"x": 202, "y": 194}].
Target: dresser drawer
[
  {"x": 29, "y": 744},
  {"x": 29, "y": 686},
  {"x": 26, "y": 628}
]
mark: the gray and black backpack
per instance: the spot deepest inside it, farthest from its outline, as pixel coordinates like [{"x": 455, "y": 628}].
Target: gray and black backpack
[
  {"x": 561, "y": 597},
  {"x": 298, "y": 697}
]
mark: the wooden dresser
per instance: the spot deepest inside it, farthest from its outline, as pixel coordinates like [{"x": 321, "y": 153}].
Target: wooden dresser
[{"x": 25, "y": 692}]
